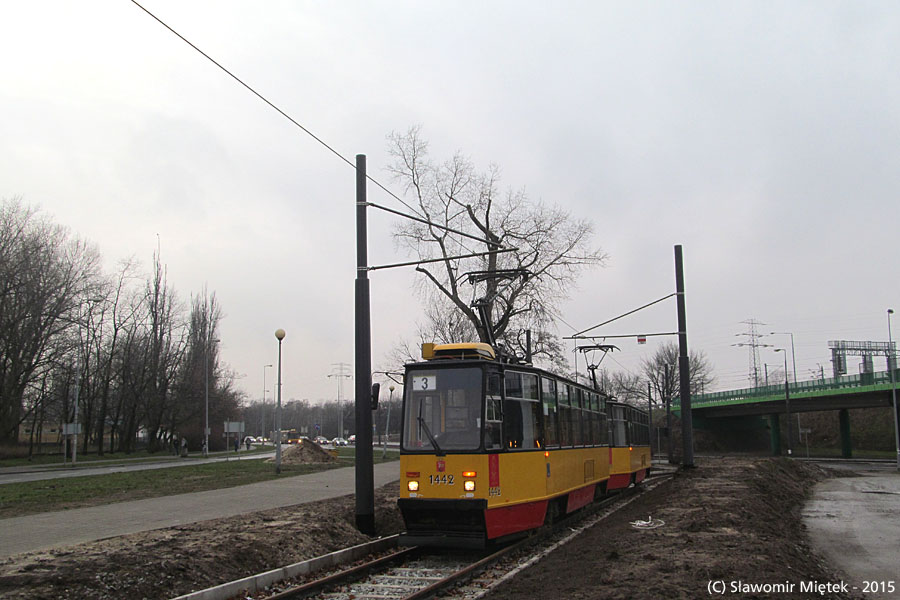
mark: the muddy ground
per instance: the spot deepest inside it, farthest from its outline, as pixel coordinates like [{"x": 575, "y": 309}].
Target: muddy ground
[{"x": 729, "y": 519}]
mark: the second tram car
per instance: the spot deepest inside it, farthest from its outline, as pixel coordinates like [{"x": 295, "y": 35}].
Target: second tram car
[
  {"x": 491, "y": 449},
  {"x": 629, "y": 445}
]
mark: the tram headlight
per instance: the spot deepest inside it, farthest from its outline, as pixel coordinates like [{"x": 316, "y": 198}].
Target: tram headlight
[
  {"x": 412, "y": 486},
  {"x": 469, "y": 485}
]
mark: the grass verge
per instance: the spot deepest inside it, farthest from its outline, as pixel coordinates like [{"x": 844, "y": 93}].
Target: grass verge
[
  {"x": 45, "y": 460},
  {"x": 18, "y": 499}
]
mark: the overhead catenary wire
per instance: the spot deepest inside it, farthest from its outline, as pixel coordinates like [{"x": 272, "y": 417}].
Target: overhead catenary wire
[
  {"x": 630, "y": 312},
  {"x": 287, "y": 116}
]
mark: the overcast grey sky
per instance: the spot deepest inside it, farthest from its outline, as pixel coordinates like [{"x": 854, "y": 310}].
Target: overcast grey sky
[{"x": 762, "y": 136}]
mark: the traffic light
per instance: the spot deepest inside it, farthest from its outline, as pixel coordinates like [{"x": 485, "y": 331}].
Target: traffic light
[{"x": 376, "y": 388}]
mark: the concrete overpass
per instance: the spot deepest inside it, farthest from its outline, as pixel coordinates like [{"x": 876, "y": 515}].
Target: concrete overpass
[{"x": 735, "y": 409}]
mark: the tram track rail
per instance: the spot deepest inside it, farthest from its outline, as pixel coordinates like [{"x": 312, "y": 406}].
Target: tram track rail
[{"x": 417, "y": 573}]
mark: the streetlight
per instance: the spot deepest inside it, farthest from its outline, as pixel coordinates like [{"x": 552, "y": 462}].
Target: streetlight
[
  {"x": 206, "y": 418},
  {"x": 892, "y": 367},
  {"x": 787, "y": 403},
  {"x": 279, "y": 333},
  {"x": 794, "y": 363},
  {"x": 793, "y": 356},
  {"x": 264, "y": 401}
]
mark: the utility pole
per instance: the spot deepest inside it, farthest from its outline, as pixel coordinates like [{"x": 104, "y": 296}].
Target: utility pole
[
  {"x": 650, "y": 418},
  {"x": 365, "y": 469},
  {"x": 684, "y": 367},
  {"x": 668, "y": 414}
]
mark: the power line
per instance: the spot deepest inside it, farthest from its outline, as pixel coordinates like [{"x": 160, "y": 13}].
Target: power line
[{"x": 273, "y": 106}]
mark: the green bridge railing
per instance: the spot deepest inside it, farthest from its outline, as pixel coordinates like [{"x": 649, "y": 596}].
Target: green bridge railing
[{"x": 864, "y": 382}]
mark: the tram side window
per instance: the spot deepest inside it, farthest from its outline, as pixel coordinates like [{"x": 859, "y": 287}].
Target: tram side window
[
  {"x": 551, "y": 413},
  {"x": 604, "y": 419},
  {"x": 603, "y": 423},
  {"x": 618, "y": 425},
  {"x": 576, "y": 417},
  {"x": 492, "y": 415},
  {"x": 595, "y": 420},
  {"x": 587, "y": 419},
  {"x": 640, "y": 428},
  {"x": 565, "y": 419},
  {"x": 522, "y": 412}
]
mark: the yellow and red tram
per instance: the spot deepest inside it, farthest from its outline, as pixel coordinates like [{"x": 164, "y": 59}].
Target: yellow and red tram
[
  {"x": 629, "y": 445},
  {"x": 491, "y": 449}
]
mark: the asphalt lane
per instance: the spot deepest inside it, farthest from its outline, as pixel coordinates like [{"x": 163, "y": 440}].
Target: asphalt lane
[
  {"x": 77, "y": 526},
  {"x": 852, "y": 522}
]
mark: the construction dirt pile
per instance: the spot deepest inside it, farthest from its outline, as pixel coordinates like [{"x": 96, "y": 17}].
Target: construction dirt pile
[
  {"x": 305, "y": 452},
  {"x": 731, "y": 520},
  {"x": 728, "y": 519}
]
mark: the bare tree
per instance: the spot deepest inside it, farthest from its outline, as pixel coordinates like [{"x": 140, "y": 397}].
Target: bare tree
[
  {"x": 44, "y": 274},
  {"x": 624, "y": 386},
  {"x": 132, "y": 379},
  {"x": 666, "y": 357},
  {"x": 551, "y": 246},
  {"x": 166, "y": 346},
  {"x": 202, "y": 357},
  {"x": 66, "y": 329},
  {"x": 115, "y": 316}
]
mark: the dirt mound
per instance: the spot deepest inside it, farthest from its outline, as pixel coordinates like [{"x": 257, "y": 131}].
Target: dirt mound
[
  {"x": 305, "y": 453},
  {"x": 164, "y": 563},
  {"x": 728, "y": 520}
]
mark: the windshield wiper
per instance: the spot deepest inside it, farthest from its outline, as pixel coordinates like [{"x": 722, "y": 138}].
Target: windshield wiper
[{"x": 430, "y": 437}]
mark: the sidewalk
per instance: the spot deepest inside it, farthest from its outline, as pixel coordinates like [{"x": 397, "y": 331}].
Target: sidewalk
[{"x": 63, "y": 528}]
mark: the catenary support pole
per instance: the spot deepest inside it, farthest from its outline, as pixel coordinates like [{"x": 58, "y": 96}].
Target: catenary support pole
[
  {"x": 775, "y": 434},
  {"x": 687, "y": 428},
  {"x": 669, "y": 442},
  {"x": 892, "y": 367},
  {"x": 365, "y": 471},
  {"x": 846, "y": 442},
  {"x": 650, "y": 423}
]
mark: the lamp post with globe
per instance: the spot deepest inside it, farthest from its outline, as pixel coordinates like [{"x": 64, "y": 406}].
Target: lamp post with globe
[{"x": 279, "y": 333}]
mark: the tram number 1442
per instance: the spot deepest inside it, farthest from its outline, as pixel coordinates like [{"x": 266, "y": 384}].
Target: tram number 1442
[{"x": 440, "y": 479}]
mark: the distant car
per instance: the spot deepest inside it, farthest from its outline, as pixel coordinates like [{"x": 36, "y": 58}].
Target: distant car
[
  {"x": 352, "y": 439},
  {"x": 338, "y": 441},
  {"x": 320, "y": 440}
]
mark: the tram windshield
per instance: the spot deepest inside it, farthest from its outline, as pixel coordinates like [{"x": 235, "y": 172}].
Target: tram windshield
[{"x": 442, "y": 410}]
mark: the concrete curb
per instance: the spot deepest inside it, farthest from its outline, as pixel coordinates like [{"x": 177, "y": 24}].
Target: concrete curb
[{"x": 255, "y": 583}]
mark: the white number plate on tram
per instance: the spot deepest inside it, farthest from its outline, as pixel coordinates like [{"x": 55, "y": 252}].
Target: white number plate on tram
[{"x": 425, "y": 383}]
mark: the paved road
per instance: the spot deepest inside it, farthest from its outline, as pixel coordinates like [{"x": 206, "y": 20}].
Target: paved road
[
  {"x": 63, "y": 528},
  {"x": 852, "y": 521}
]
